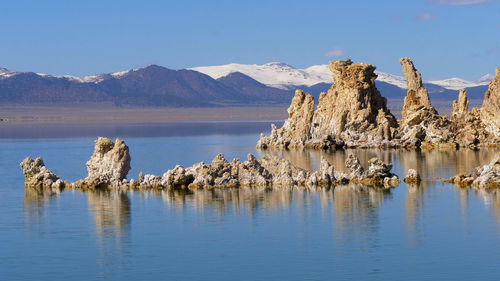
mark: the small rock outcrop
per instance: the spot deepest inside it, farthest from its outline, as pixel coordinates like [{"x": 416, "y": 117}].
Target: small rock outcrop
[
  {"x": 354, "y": 114},
  {"x": 487, "y": 176},
  {"x": 38, "y": 176},
  {"x": 461, "y": 107},
  {"x": 109, "y": 165},
  {"x": 412, "y": 177},
  {"x": 378, "y": 173}
]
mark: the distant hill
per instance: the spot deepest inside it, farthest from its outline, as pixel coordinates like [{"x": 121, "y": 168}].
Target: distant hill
[
  {"x": 149, "y": 86},
  {"x": 155, "y": 85}
]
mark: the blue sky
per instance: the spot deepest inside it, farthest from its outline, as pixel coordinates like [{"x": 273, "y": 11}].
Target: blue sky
[{"x": 446, "y": 38}]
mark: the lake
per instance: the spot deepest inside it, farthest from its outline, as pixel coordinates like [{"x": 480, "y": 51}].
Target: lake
[{"x": 433, "y": 231}]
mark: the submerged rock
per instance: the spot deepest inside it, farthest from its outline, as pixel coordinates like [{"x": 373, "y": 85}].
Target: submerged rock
[
  {"x": 487, "y": 176},
  {"x": 354, "y": 114},
  {"x": 412, "y": 177}
]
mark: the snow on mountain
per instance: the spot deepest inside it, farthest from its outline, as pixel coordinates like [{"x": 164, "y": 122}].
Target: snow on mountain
[
  {"x": 457, "y": 83},
  {"x": 284, "y": 76},
  {"x": 485, "y": 79},
  {"x": 5, "y": 73},
  {"x": 274, "y": 74}
]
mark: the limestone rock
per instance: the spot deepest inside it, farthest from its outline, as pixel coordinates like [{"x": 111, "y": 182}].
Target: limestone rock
[
  {"x": 353, "y": 109},
  {"x": 354, "y": 166},
  {"x": 461, "y": 107},
  {"x": 412, "y": 177},
  {"x": 252, "y": 173},
  {"x": 487, "y": 176},
  {"x": 296, "y": 129},
  {"x": 378, "y": 173},
  {"x": 110, "y": 162},
  {"x": 351, "y": 113},
  {"x": 38, "y": 176},
  {"x": 490, "y": 111},
  {"x": 177, "y": 177},
  {"x": 417, "y": 96}
]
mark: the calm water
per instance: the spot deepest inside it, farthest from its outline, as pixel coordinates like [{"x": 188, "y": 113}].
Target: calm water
[{"x": 434, "y": 231}]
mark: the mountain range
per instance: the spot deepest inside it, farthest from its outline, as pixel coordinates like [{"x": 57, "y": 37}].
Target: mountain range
[{"x": 223, "y": 85}]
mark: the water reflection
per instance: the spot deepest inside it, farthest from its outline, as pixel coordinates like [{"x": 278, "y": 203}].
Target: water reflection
[
  {"x": 111, "y": 212},
  {"x": 36, "y": 202},
  {"x": 356, "y": 214},
  {"x": 430, "y": 164}
]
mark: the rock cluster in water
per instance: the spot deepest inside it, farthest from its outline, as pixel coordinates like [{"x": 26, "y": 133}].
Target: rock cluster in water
[
  {"x": 110, "y": 163},
  {"x": 487, "y": 176},
  {"x": 354, "y": 114}
]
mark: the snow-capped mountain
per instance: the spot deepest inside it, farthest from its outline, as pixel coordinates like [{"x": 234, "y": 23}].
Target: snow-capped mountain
[
  {"x": 274, "y": 74},
  {"x": 457, "y": 83},
  {"x": 89, "y": 78},
  {"x": 284, "y": 76}
]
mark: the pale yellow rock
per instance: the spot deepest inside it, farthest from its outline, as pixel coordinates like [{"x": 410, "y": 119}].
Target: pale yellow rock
[{"x": 490, "y": 111}]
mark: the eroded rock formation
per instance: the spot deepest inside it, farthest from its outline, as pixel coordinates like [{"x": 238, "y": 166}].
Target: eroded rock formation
[
  {"x": 487, "y": 176},
  {"x": 354, "y": 114},
  {"x": 110, "y": 163},
  {"x": 351, "y": 113},
  {"x": 37, "y": 175},
  {"x": 490, "y": 111}
]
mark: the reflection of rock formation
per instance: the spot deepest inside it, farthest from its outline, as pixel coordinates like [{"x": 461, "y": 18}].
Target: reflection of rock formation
[
  {"x": 36, "y": 200},
  {"x": 491, "y": 198},
  {"x": 251, "y": 199},
  {"x": 356, "y": 208},
  {"x": 111, "y": 210},
  {"x": 414, "y": 204}
]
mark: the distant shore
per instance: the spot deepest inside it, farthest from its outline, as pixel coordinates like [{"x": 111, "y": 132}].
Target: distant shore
[
  {"x": 109, "y": 114},
  {"x": 68, "y": 114}
]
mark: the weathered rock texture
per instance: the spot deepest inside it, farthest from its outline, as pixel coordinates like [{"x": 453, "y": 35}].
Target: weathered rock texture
[
  {"x": 354, "y": 114},
  {"x": 110, "y": 164},
  {"x": 487, "y": 176},
  {"x": 413, "y": 177},
  {"x": 490, "y": 111},
  {"x": 417, "y": 97},
  {"x": 37, "y": 175},
  {"x": 297, "y": 128}
]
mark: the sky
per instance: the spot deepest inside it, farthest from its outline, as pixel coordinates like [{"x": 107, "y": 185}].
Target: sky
[{"x": 445, "y": 38}]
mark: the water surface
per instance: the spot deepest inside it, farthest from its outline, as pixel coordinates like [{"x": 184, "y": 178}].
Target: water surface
[{"x": 433, "y": 231}]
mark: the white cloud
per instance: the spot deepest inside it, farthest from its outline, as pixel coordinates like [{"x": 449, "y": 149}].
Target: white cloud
[
  {"x": 335, "y": 52},
  {"x": 459, "y": 2},
  {"x": 425, "y": 16}
]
